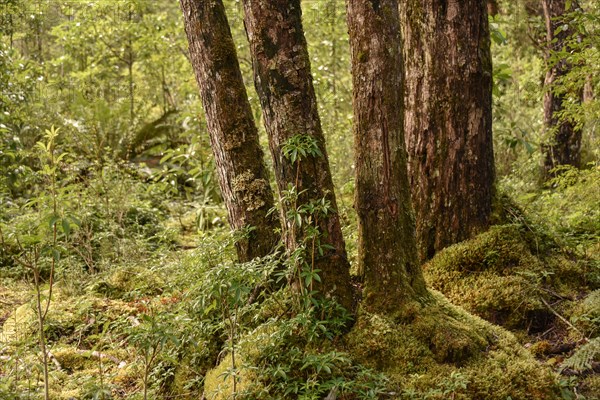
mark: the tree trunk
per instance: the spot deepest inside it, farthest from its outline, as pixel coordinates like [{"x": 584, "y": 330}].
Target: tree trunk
[
  {"x": 448, "y": 119},
  {"x": 387, "y": 252},
  {"x": 243, "y": 177},
  {"x": 564, "y": 144},
  {"x": 285, "y": 89}
]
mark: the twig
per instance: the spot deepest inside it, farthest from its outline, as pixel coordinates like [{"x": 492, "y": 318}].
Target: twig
[
  {"x": 102, "y": 356},
  {"x": 54, "y": 360},
  {"x": 553, "y": 293},
  {"x": 563, "y": 319}
]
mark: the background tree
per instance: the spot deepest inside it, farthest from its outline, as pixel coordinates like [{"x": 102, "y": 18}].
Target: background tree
[
  {"x": 387, "y": 252},
  {"x": 284, "y": 84},
  {"x": 242, "y": 174},
  {"x": 448, "y": 119},
  {"x": 563, "y": 146}
]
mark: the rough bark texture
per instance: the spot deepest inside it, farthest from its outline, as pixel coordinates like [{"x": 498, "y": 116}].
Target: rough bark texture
[
  {"x": 564, "y": 145},
  {"x": 243, "y": 177},
  {"x": 284, "y": 85},
  {"x": 448, "y": 119},
  {"x": 387, "y": 251}
]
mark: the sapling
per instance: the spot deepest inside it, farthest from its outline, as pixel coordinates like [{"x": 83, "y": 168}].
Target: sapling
[
  {"x": 37, "y": 246},
  {"x": 151, "y": 337}
]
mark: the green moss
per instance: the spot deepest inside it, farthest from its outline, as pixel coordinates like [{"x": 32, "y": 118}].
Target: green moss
[
  {"x": 71, "y": 359},
  {"x": 252, "y": 191},
  {"x": 586, "y": 315},
  {"x": 430, "y": 348},
  {"x": 540, "y": 348},
  {"x": 503, "y": 274},
  {"x": 218, "y": 382},
  {"x": 590, "y": 386},
  {"x": 444, "y": 340},
  {"x": 19, "y": 324},
  {"x": 125, "y": 281},
  {"x": 363, "y": 57}
]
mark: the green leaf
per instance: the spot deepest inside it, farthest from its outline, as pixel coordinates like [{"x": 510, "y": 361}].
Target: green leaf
[
  {"x": 52, "y": 221},
  {"x": 66, "y": 227}
]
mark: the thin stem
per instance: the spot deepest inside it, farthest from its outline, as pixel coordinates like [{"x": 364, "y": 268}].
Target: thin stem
[
  {"x": 312, "y": 261},
  {"x": 41, "y": 319}
]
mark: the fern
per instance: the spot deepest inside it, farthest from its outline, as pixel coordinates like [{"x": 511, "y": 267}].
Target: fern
[{"x": 583, "y": 357}]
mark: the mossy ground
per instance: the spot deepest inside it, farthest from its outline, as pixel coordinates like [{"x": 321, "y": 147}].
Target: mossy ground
[
  {"x": 509, "y": 276},
  {"x": 517, "y": 277},
  {"x": 433, "y": 350},
  {"x": 443, "y": 345},
  {"x": 437, "y": 351}
]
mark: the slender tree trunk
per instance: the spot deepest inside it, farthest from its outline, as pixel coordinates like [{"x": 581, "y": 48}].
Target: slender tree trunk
[
  {"x": 564, "y": 144},
  {"x": 387, "y": 252},
  {"x": 448, "y": 119},
  {"x": 242, "y": 174},
  {"x": 285, "y": 88}
]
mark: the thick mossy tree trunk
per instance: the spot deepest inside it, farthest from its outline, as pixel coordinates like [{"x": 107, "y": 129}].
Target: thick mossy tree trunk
[
  {"x": 564, "y": 142},
  {"x": 284, "y": 84},
  {"x": 448, "y": 119},
  {"x": 243, "y": 177},
  {"x": 387, "y": 252}
]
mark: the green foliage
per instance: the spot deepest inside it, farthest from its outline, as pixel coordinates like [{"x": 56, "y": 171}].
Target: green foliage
[
  {"x": 299, "y": 147},
  {"x": 517, "y": 119},
  {"x": 570, "y": 207},
  {"x": 583, "y": 357},
  {"x": 586, "y": 315},
  {"x": 109, "y": 202},
  {"x": 581, "y": 53}
]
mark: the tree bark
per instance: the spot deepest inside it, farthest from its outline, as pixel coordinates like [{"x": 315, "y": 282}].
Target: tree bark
[
  {"x": 564, "y": 145},
  {"x": 285, "y": 89},
  {"x": 387, "y": 251},
  {"x": 448, "y": 119},
  {"x": 243, "y": 177}
]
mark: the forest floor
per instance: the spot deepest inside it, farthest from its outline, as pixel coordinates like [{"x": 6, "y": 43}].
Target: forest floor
[{"x": 164, "y": 322}]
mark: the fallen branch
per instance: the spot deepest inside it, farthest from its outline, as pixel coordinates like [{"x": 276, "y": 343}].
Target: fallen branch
[
  {"x": 563, "y": 319},
  {"x": 54, "y": 360},
  {"x": 103, "y": 356},
  {"x": 595, "y": 369}
]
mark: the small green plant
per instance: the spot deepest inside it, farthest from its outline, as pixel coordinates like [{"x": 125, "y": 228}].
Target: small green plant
[
  {"x": 97, "y": 391},
  {"x": 40, "y": 244},
  {"x": 304, "y": 216},
  {"x": 151, "y": 337},
  {"x": 448, "y": 388},
  {"x": 583, "y": 357}
]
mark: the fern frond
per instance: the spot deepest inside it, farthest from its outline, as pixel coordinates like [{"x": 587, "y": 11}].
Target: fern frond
[{"x": 583, "y": 357}]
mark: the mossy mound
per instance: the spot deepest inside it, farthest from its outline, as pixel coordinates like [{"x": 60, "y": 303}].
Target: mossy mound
[
  {"x": 436, "y": 351},
  {"x": 218, "y": 382},
  {"x": 130, "y": 282},
  {"x": 504, "y": 276},
  {"x": 445, "y": 352},
  {"x": 586, "y": 314}
]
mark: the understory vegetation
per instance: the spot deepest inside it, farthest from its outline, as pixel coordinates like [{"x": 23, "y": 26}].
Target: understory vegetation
[{"x": 118, "y": 271}]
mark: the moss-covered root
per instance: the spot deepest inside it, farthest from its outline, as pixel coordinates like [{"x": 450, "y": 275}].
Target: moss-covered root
[{"x": 443, "y": 345}]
